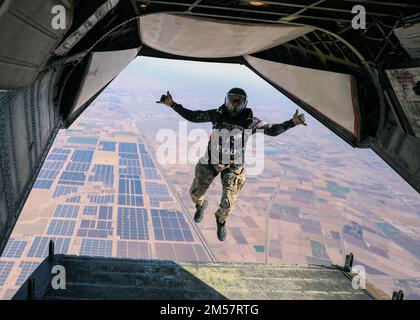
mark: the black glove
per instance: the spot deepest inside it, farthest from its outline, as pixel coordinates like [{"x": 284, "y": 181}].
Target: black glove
[
  {"x": 299, "y": 118},
  {"x": 166, "y": 99}
]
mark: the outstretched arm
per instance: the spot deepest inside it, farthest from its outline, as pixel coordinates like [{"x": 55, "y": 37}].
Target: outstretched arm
[
  {"x": 190, "y": 115},
  {"x": 193, "y": 115},
  {"x": 271, "y": 129}
]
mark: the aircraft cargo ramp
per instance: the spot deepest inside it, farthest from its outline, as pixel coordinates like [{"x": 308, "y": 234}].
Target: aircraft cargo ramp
[{"x": 112, "y": 278}]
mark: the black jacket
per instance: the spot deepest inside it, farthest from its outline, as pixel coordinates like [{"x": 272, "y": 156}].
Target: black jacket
[
  {"x": 220, "y": 117},
  {"x": 245, "y": 125}
]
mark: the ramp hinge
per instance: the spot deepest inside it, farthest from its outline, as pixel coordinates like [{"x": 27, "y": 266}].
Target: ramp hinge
[
  {"x": 31, "y": 289},
  {"x": 348, "y": 264},
  {"x": 51, "y": 251},
  {"x": 398, "y": 295}
]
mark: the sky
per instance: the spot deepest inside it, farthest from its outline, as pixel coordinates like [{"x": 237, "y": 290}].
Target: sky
[{"x": 208, "y": 80}]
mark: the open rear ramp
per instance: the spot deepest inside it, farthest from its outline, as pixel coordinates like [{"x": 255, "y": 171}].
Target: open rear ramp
[{"x": 112, "y": 278}]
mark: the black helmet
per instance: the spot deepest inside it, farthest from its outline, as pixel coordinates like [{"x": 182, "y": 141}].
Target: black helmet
[{"x": 236, "y": 101}]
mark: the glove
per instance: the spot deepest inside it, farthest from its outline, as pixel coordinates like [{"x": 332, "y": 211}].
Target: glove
[
  {"x": 299, "y": 118},
  {"x": 166, "y": 99}
]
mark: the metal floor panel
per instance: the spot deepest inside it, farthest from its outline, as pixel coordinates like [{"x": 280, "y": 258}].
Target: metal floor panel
[{"x": 112, "y": 278}]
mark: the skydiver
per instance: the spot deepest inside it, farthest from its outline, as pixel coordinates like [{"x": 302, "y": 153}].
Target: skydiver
[{"x": 224, "y": 155}]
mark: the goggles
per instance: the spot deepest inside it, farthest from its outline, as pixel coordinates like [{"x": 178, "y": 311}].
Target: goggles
[{"x": 236, "y": 102}]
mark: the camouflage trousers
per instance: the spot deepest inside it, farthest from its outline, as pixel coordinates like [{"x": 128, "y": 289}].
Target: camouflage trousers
[{"x": 232, "y": 183}]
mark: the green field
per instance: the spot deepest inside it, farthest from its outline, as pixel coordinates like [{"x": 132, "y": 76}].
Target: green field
[{"x": 85, "y": 140}]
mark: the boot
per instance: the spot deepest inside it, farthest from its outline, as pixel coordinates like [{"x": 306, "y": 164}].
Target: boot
[
  {"x": 221, "y": 230},
  {"x": 199, "y": 213}
]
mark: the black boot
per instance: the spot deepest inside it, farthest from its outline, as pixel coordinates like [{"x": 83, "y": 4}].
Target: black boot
[
  {"x": 199, "y": 214},
  {"x": 221, "y": 230}
]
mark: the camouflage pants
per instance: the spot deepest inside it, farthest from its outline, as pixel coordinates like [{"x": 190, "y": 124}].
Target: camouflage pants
[{"x": 232, "y": 182}]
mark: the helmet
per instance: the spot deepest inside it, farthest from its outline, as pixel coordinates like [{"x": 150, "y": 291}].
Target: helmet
[{"x": 236, "y": 101}]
